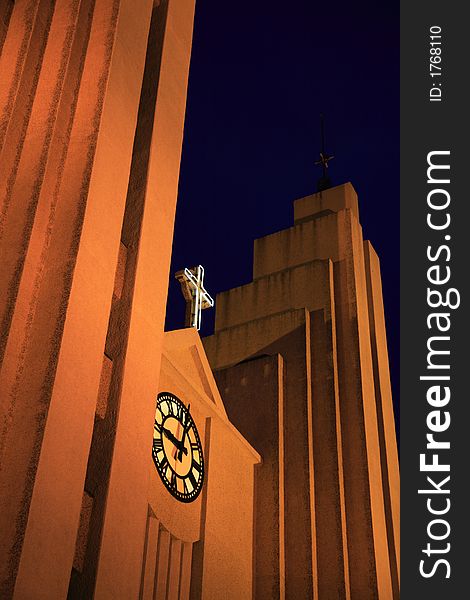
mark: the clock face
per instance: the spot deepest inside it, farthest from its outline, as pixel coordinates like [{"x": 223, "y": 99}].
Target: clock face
[{"x": 177, "y": 450}]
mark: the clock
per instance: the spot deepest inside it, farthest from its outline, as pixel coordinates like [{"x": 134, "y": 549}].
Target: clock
[{"x": 177, "y": 450}]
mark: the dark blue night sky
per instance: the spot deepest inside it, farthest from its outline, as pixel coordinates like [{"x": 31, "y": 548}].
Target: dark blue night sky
[{"x": 261, "y": 73}]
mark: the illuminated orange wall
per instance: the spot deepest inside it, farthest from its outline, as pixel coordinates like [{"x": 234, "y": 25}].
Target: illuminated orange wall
[
  {"x": 217, "y": 528},
  {"x": 74, "y": 147}
]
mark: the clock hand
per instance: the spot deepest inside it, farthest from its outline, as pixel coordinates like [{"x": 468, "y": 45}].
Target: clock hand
[
  {"x": 187, "y": 427},
  {"x": 171, "y": 437},
  {"x": 175, "y": 441}
]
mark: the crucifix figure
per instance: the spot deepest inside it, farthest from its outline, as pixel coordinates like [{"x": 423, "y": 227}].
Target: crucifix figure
[
  {"x": 197, "y": 299},
  {"x": 324, "y": 182}
]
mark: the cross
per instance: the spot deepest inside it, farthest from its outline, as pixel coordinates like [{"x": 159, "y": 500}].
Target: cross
[
  {"x": 197, "y": 299},
  {"x": 324, "y": 182}
]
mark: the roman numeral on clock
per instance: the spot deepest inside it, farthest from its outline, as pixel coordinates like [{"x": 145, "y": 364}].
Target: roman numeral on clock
[
  {"x": 164, "y": 465},
  {"x": 192, "y": 479},
  {"x": 179, "y": 413}
]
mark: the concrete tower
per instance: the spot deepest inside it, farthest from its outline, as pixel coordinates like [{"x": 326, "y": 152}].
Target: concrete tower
[{"x": 300, "y": 358}]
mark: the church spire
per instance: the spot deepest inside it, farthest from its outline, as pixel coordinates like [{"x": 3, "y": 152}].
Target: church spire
[{"x": 324, "y": 182}]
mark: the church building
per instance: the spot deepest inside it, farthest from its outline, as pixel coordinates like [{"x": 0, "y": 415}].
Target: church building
[{"x": 257, "y": 463}]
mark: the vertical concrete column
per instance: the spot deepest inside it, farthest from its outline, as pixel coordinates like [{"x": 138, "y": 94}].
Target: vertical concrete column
[
  {"x": 301, "y": 572},
  {"x": 185, "y": 580},
  {"x": 312, "y": 459},
  {"x": 150, "y": 560},
  {"x": 51, "y": 373},
  {"x": 174, "y": 573},
  {"x": 382, "y": 559},
  {"x": 126, "y": 507},
  {"x": 331, "y": 531},
  {"x": 32, "y": 191},
  {"x": 164, "y": 540},
  {"x": 368, "y": 552},
  {"x": 20, "y": 62},
  {"x": 385, "y": 417},
  {"x": 29, "y": 112}
]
